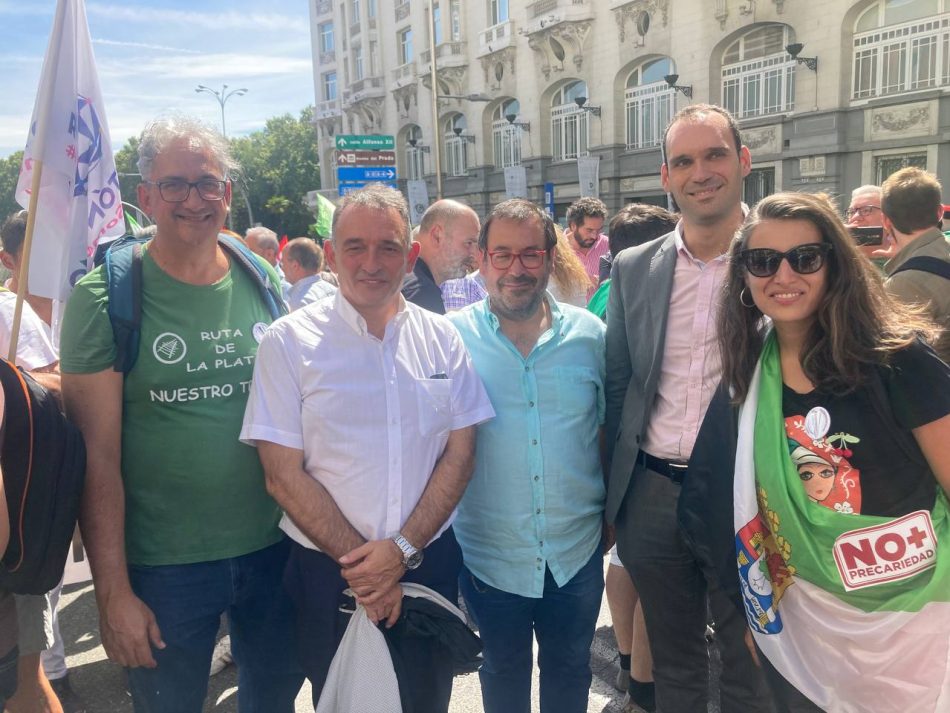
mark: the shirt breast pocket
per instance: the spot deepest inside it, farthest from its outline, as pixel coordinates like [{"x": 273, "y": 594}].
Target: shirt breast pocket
[
  {"x": 434, "y": 402},
  {"x": 576, "y": 389}
]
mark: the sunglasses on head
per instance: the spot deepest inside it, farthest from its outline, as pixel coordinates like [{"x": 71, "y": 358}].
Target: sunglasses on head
[{"x": 805, "y": 259}]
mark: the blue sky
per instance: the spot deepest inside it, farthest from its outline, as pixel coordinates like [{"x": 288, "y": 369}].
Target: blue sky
[{"x": 152, "y": 55}]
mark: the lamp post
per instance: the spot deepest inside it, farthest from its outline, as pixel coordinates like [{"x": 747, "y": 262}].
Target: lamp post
[{"x": 222, "y": 98}]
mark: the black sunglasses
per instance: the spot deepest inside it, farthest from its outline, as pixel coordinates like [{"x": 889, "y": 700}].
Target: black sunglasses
[{"x": 805, "y": 259}]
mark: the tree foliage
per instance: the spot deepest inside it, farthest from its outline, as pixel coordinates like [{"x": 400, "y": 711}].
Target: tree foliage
[
  {"x": 279, "y": 164},
  {"x": 9, "y": 173}
]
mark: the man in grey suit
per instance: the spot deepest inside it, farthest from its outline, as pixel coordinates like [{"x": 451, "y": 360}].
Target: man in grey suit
[{"x": 663, "y": 367}]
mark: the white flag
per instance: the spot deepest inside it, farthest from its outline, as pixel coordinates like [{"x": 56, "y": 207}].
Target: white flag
[{"x": 79, "y": 202}]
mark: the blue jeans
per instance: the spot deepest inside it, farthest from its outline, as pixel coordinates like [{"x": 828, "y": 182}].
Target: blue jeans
[
  {"x": 563, "y": 620},
  {"x": 188, "y": 601}
]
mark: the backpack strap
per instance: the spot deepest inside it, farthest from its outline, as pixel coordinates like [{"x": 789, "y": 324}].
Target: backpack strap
[
  {"x": 123, "y": 267},
  {"x": 926, "y": 263},
  {"x": 244, "y": 257}
]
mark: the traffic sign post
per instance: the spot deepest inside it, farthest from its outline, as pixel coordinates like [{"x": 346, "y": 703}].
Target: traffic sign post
[
  {"x": 365, "y": 174},
  {"x": 365, "y": 158},
  {"x": 365, "y": 142}
]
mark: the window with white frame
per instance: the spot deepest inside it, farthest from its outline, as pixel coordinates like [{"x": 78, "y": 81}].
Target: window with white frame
[
  {"x": 456, "y": 146},
  {"x": 650, "y": 103},
  {"x": 758, "y": 75},
  {"x": 357, "y": 63},
  {"x": 373, "y": 58},
  {"x": 415, "y": 156},
  {"x": 329, "y": 86},
  {"x": 884, "y": 166},
  {"x": 371, "y": 8},
  {"x": 497, "y": 11},
  {"x": 757, "y": 185},
  {"x": 355, "y": 17},
  {"x": 437, "y": 21},
  {"x": 570, "y": 125},
  {"x": 506, "y": 138},
  {"x": 326, "y": 37},
  {"x": 455, "y": 19},
  {"x": 404, "y": 40},
  {"x": 901, "y": 47}
]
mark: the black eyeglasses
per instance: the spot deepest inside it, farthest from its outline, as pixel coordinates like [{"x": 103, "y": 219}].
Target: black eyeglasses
[
  {"x": 864, "y": 211},
  {"x": 805, "y": 259},
  {"x": 176, "y": 190},
  {"x": 530, "y": 259}
]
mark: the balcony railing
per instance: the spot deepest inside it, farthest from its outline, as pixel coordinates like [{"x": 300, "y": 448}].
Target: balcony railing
[
  {"x": 324, "y": 7},
  {"x": 327, "y": 57},
  {"x": 404, "y": 73},
  {"x": 328, "y": 108},
  {"x": 402, "y": 11},
  {"x": 443, "y": 51}
]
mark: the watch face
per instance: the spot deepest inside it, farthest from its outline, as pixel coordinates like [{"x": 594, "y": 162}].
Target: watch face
[{"x": 414, "y": 560}]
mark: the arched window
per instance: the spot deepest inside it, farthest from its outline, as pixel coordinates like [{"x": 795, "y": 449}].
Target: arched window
[
  {"x": 758, "y": 75},
  {"x": 650, "y": 103},
  {"x": 415, "y": 156},
  {"x": 901, "y": 46},
  {"x": 506, "y": 139},
  {"x": 456, "y": 145},
  {"x": 569, "y": 123}
]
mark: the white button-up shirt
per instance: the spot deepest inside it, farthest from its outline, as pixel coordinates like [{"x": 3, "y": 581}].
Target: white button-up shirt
[{"x": 371, "y": 416}]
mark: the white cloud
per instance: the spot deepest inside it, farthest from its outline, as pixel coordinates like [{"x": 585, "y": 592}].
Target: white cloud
[
  {"x": 205, "y": 68},
  {"x": 143, "y": 45},
  {"x": 216, "y": 21}
]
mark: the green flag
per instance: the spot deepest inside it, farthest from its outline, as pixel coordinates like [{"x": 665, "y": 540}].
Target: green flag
[{"x": 325, "y": 210}]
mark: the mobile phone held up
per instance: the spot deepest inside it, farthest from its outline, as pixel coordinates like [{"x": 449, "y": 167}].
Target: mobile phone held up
[{"x": 868, "y": 235}]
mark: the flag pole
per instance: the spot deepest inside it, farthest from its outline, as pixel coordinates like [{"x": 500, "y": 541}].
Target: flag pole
[
  {"x": 45, "y": 99},
  {"x": 23, "y": 278}
]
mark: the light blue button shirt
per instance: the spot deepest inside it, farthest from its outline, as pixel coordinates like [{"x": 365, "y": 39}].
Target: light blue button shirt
[
  {"x": 308, "y": 289},
  {"x": 536, "y": 499}
]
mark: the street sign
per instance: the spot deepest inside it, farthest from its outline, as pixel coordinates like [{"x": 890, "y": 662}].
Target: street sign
[
  {"x": 366, "y": 158},
  {"x": 363, "y": 142},
  {"x": 365, "y": 174},
  {"x": 350, "y": 187}
]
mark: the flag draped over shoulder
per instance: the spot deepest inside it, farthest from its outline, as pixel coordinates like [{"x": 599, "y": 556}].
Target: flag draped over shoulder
[
  {"x": 853, "y": 610},
  {"x": 79, "y": 203}
]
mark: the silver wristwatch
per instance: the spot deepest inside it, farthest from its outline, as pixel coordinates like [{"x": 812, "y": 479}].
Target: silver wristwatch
[{"x": 411, "y": 556}]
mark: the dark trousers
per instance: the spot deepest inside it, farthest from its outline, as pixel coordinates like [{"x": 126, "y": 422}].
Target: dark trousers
[
  {"x": 316, "y": 587},
  {"x": 673, "y": 593}
]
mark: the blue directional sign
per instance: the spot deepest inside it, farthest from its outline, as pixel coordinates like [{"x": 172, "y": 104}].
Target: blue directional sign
[
  {"x": 350, "y": 187},
  {"x": 365, "y": 174}
]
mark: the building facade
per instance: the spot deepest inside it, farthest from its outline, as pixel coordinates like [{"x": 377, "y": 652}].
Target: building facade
[{"x": 830, "y": 94}]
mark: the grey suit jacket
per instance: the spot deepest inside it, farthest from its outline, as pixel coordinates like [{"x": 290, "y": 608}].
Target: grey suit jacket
[{"x": 640, "y": 289}]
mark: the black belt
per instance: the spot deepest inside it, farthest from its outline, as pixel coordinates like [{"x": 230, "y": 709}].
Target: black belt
[{"x": 674, "y": 471}]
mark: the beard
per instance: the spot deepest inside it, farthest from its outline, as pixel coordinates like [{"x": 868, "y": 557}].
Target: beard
[{"x": 521, "y": 307}]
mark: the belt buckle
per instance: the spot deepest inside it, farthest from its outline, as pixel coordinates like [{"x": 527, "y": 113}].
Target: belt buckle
[{"x": 677, "y": 471}]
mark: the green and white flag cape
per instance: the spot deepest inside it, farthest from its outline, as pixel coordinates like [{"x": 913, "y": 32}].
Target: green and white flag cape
[{"x": 853, "y": 610}]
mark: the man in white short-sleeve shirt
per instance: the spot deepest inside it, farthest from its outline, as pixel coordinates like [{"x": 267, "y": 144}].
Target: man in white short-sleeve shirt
[{"x": 363, "y": 408}]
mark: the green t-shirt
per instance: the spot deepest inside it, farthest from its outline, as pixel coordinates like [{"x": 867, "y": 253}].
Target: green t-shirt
[
  {"x": 193, "y": 492},
  {"x": 598, "y": 301}
]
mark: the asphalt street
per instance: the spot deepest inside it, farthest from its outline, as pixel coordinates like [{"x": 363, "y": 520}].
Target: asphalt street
[{"x": 102, "y": 683}]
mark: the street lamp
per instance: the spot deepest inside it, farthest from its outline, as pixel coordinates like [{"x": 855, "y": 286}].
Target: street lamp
[{"x": 222, "y": 98}]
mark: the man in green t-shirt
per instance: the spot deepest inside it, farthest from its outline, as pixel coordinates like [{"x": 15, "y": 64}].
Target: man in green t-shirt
[{"x": 176, "y": 518}]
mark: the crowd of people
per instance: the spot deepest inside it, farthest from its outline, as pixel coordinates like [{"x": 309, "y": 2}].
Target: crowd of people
[{"x": 745, "y": 408}]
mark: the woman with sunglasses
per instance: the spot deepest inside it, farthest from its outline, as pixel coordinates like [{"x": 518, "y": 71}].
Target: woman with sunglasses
[{"x": 847, "y": 595}]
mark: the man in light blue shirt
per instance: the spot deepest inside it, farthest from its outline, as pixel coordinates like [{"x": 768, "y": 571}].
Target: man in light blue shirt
[
  {"x": 302, "y": 260},
  {"x": 530, "y": 522}
]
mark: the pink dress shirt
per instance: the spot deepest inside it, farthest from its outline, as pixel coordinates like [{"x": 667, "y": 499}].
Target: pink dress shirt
[
  {"x": 691, "y": 368},
  {"x": 591, "y": 261}
]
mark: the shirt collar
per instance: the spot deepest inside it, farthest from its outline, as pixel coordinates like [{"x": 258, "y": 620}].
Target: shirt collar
[
  {"x": 682, "y": 250},
  {"x": 921, "y": 242},
  {"x": 349, "y": 314}
]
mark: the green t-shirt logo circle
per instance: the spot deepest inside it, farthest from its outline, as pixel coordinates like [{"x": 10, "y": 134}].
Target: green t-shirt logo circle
[{"x": 169, "y": 348}]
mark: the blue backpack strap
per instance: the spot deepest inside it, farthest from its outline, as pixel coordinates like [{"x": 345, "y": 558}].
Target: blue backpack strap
[
  {"x": 123, "y": 268},
  {"x": 250, "y": 263}
]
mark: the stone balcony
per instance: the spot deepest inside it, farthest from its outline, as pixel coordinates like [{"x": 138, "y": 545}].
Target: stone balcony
[{"x": 495, "y": 38}]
